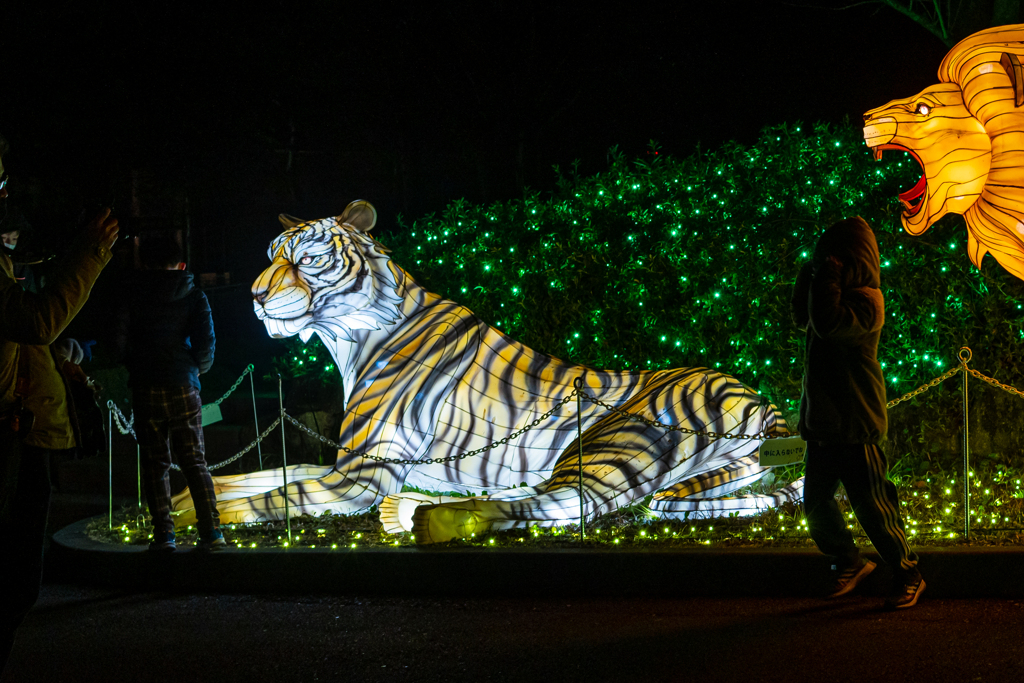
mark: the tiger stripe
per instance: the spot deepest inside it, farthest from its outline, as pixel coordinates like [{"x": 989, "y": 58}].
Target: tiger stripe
[{"x": 424, "y": 377}]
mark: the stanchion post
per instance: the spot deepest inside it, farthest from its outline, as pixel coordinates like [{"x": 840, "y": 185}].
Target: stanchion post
[
  {"x": 110, "y": 464},
  {"x": 284, "y": 457},
  {"x": 965, "y": 357},
  {"x": 138, "y": 470},
  {"x": 578, "y": 385},
  {"x": 255, "y": 416}
]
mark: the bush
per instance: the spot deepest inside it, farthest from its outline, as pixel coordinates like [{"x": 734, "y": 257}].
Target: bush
[{"x": 662, "y": 262}]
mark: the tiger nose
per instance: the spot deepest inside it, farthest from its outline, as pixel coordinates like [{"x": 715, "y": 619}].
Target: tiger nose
[
  {"x": 269, "y": 280},
  {"x": 260, "y": 290}
]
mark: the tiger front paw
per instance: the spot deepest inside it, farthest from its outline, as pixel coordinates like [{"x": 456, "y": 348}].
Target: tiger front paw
[
  {"x": 448, "y": 521},
  {"x": 184, "y": 518}
]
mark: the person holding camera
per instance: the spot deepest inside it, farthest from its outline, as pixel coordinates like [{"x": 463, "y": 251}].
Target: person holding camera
[{"x": 36, "y": 416}]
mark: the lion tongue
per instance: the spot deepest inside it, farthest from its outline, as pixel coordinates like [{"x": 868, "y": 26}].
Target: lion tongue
[{"x": 914, "y": 192}]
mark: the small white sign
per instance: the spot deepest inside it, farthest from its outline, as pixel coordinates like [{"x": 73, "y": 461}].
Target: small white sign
[
  {"x": 211, "y": 414},
  {"x": 775, "y": 452}
]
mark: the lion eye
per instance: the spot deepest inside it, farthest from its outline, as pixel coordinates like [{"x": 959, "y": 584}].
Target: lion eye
[
  {"x": 305, "y": 260},
  {"x": 923, "y": 109}
]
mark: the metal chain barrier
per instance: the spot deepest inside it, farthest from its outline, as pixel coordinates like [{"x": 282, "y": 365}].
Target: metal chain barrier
[
  {"x": 127, "y": 426},
  {"x": 925, "y": 387},
  {"x": 996, "y": 383},
  {"x": 965, "y": 357},
  {"x": 242, "y": 452},
  {"x": 432, "y": 461},
  {"x": 124, "y": 425},
  {"x": 234, "y": 386},
  {"x": 760, "y": 436}
]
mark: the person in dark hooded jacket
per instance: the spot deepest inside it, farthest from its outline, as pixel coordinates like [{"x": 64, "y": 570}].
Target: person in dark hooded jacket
[
  {"x": 842, "y": 410},
  {"x": 166, "y": 336}
]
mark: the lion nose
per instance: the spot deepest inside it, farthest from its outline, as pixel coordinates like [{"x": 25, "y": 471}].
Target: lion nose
[{"x": 260, "y": 297}]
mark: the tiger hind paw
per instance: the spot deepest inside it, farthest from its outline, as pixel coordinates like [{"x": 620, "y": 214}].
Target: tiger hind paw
[{"x": 396, "y": 511}]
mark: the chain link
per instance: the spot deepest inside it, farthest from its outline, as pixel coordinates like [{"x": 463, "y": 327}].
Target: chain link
[
  {"x": 925, "y": 387},
  {"x": 242, "y": 452},
  {"x": 433, "y": 461},
  {"x": 760, "y": 436},
  {"x": 124, "y": 425},
  {"x": 996, "y": 383},
  {"x": 235, "y": 385},
  {"x": 965, "y": 358}
]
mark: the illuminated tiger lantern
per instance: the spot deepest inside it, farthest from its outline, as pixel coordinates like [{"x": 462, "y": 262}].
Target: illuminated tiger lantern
[
  {"x": 425, "y": 380},
  {"x": 967, "y": 132}
]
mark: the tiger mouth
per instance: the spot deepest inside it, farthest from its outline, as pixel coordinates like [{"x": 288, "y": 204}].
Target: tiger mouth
[{"x": 912, "y": 199}]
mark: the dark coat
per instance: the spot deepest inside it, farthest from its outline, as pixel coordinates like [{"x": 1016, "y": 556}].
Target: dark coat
[
  {"x": 838, "y": 300},
  {"x": 165, "y": 332}
]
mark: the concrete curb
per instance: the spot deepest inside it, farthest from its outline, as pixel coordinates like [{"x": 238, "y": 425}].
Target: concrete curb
[{"x": 478, "y": 572}]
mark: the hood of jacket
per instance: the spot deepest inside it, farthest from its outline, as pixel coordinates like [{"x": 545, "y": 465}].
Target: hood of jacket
[
  {"x": 163, "y": 285},
  {"x": 852, "y": 242}
]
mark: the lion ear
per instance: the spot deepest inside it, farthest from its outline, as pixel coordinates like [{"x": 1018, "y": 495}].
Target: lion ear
[
  {"x": 289, "y": 221},
  {"x": 1011, "y": 64},
  {"x": 360, "y": 215}
]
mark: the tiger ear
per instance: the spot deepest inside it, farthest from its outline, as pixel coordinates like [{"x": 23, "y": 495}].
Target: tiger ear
[
  {"x": 289, "y": 221},
  {"x": 360, "y": 215}
]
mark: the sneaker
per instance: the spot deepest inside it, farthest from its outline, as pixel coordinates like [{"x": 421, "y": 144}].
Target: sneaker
[
  {"x": 850, "y": 577},
  {"x": 213, "y": 543},
  {"x": 905, "y": 595},
  {"x": 163, "y": 542}
]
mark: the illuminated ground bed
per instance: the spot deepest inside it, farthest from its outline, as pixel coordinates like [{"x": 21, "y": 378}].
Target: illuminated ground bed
[
  {"x": 931, "y": 508},
  {"x": 769, "y": 555}
]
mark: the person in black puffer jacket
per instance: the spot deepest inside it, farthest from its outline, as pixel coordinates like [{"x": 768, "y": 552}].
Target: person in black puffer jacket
[
  {"x": 838, "y": 300},
  {"x": 166, "y": 337}
]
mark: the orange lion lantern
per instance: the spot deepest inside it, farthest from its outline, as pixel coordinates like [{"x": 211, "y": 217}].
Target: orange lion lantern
[{"x": 967, "y": 132}]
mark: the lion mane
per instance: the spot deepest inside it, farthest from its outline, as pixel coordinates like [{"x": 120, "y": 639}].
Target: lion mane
[
  {"x": 967, "y": 133},
  {"x": 328, "y": 276}
]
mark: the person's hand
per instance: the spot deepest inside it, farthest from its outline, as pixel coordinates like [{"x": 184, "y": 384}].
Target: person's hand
[
  {"x": 102, "y": 229},
  {"x": 70, "y": 350}
]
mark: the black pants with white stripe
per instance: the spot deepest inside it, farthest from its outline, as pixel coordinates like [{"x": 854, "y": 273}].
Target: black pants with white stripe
[{"x": 862, "y": 469}]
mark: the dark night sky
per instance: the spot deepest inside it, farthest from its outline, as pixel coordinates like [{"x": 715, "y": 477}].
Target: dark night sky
[{"x": 408, "y": 105}]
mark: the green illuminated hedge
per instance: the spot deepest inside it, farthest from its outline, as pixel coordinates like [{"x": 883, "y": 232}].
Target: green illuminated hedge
[{"x": 662, "y": 262}]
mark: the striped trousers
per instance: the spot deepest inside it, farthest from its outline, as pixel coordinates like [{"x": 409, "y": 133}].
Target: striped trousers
[
  {"x": 862, "y": 470},
  {"x": 170, "y": 420}
]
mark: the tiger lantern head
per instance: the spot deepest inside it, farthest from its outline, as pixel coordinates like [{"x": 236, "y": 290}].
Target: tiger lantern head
[
  {"x": 327, "y": 276},
  {"x": 967, "y": 133}
]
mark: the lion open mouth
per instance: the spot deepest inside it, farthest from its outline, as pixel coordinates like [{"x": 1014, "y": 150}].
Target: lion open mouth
[{"x": 912, "y": 199}]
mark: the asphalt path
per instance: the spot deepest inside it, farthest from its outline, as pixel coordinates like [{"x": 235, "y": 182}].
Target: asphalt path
[{"x": 87, "y": 634}]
